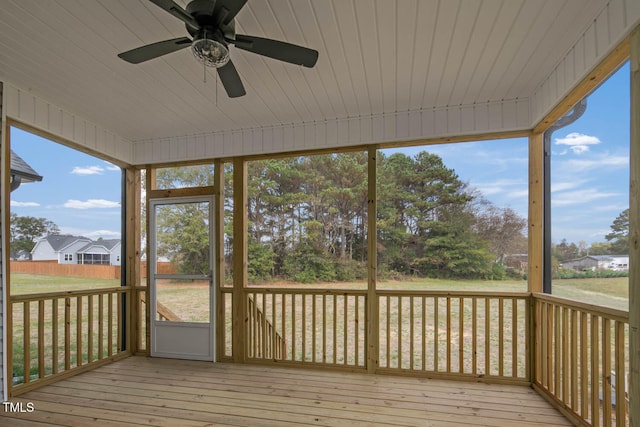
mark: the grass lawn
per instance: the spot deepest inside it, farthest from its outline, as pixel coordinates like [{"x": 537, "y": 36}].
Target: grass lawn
[{"x": 22, "y": 283}]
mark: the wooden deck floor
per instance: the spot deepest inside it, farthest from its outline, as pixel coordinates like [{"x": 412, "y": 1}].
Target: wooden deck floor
[{"x": 162, "y": 392}]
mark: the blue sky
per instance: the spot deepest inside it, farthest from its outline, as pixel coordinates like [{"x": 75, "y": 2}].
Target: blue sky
[
  {"x": 590, "y": 174},
  {"x": 80, "y": 193}
]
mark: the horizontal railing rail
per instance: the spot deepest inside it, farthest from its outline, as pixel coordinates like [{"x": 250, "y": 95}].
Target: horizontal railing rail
[
  {"x": 582, "y": 359},
  {"x": 57, "y": 333}
]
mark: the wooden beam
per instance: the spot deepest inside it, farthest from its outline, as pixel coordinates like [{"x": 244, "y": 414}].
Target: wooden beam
[
  {"x": 606, "y": 67},
  {"x": 149, "y": 183},
  {"x": 536, "y": 213},
  {"x": 132, "y": 254},
  {"x": 373, "y": 324},
  {"x": 218, "y": 242},
  {"x": 5, "y": 142},
  {"x": 239, "y": 258},
  {"x": 634, "y": 234}
]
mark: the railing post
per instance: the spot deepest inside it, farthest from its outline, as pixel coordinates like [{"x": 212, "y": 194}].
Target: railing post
[
  {"x": 634, "y": 235},
  {"x": 372, "y": 321}
]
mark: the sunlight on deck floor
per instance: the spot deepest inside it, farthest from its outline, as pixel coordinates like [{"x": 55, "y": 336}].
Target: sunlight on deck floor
[{"x": 163, "y": 392}]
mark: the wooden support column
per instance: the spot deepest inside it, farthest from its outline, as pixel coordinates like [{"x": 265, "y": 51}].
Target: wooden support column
[
  {"x": 373, "y": 323},
  {"x": 634, "y": 235},
  {"x": 239, "y": 258},
  {"x": 218, "y": 238},
  {"x": 535, "y": 252},
  {"x": 150, "y": 184},
  {"x": 132, "y": 255},
  {"x": 536, "y": 213}
]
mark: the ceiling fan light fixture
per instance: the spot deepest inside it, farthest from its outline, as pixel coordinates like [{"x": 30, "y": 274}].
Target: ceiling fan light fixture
[{"x": 210, "y": 52}]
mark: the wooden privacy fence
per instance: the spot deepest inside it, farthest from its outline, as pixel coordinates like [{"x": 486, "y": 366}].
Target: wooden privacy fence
[
  {"x": 582, "y": 359},
  {"x": 52, "y": 268},
  {"x": 60, "y": 332}
]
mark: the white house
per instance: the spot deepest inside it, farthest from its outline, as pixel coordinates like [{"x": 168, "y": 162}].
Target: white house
[
  {"x": 68, "y": 249},
  {"x": 598, "y": 262}
]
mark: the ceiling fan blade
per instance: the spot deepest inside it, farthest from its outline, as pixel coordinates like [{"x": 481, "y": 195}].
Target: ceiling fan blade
[
  {"x": 229, "y": 9},
  {"x": 231, "y": 80},
  {"x": 177, "y": 11},
  {"x": 275, "y": 49},
  {"x": 151, "y": 51}
]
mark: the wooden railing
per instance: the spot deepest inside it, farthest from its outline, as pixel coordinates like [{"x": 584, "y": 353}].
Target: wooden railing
[
  {"x": 582, "y": 359},
  {"x": 60, "y": 332},
  {"x": 461, "y": 334},
  {"x": 269, "y": 343},
  {"x": 324, "y": 327}
]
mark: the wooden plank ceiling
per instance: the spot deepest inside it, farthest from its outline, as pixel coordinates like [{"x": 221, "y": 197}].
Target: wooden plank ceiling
[{"x": 376, "y": 57}]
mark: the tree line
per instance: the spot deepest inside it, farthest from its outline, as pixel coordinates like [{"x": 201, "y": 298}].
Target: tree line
[{"x": 308, "y": 220}]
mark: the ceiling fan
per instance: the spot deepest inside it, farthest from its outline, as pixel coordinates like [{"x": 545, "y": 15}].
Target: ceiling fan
[{"x": 211, "y": 25}]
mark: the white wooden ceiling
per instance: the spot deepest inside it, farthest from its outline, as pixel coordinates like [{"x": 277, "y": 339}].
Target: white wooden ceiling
[{"x": 376, "y": 58}]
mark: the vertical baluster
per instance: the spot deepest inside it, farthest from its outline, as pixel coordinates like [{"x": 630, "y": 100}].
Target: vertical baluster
[
  {"x": 565, "y": 355},
  {"x": 79, "y": 308},
  {"x": 264, "y": 326},
  {"x": 276, "y": 344},
  {"x": 119, "y": 320},
  {"x": 335, "y": 330},
  {"x": 574, "y": 360},
  {"x": 501, "y": 336},
  {"x": 345, "y": 328},
  {"x": 399, "y": 329},
  {"x": 621, "y": 380},
  {"x": 449, "y": 343},
  {"x": 304, "y": 327},
  {"x": 283, "y": 314},
  {"x": 549, "y": 352},
  {"x": 54, "y": 336},
  {"x": 584, "y": 368},
  {"x": 110, "y": 324},
  {"x": 293, "y": 327},
  {"x": 388, "y": 331},
  {"x": 595, "y": 371},
  {"x": 67, "y": 333},
  {"x": 461, "y": 335},
  {"x": 356, "y": 327},
  {"x": 474, "y": 335},
  {"x": 487, "y": 336},
  {"x": 324, "y": 328},
  {"x": 514, "y": 337},
  {"x": 41, "y": 321},
  {"x": 314, "y": 313},
  {"x": 424, "y": 333},
  {"x": 100, "y": 326},
  {"x": 90, "y": 329},
  {"x": 436, "y": 335},
  {"x": 606, "y": 373},
  {"x": 557, "y": 350},
  {"x": 26, "y": 319},
  {"x": 411, "y": 336}
]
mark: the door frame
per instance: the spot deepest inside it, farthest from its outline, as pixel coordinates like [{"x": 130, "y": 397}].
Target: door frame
[{"x": 182, "y": 331}]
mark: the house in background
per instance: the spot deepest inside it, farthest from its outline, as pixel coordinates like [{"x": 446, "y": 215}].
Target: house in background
[
  {"x": 598, "y": 262},
  {"x": 68, "y": 249},
  {"x": 21, "y": 172},
  {"x": 102, "y": 252}
]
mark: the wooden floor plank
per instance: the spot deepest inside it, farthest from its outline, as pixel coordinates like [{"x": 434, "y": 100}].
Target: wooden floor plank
[{"x": 167, "y": 393}]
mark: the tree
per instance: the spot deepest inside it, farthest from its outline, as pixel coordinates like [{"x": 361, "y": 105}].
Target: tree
[
  {"x": 619, "y": 236},
  {"x": 25, "y": 230}
]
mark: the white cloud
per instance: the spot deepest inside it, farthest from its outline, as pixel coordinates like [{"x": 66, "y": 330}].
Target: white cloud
[
  {"x": 92, "y": 234},
  {"x": 580, "y": 197},
  {"x": 16, "y": 204},
  {"x": 112, "y": 167},
  {"x": 576, "y": 165},
  {"x": 564, "y": 186},
  {"x": 91, "y": 204},
  {"x": 87, "y": 170},
  {"x": 578, "y": 142}
]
